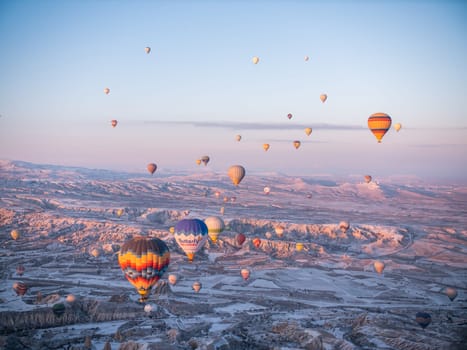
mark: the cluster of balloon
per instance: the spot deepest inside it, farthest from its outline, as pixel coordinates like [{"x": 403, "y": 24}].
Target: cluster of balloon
[
  {"x": 114, "y": 122},
  {"x": 15, "y": 234},
  {"x": 106, "y": 91},
  {"x": 379, "y": 124},
  {"x": 152, "y": 167},
  {"x": 308, "y": 131},
  {"x": 238, "y": 138},
  {"x": 144, "y": 261},
  {"x": 299, "y": 246},
  {"x": 267, "y": 190},
  {"x": 279, "y": 231},
  {"x": 205, "y": 160},
  {"x": 423, "y": 319},
  {"x": 59, "y": 309},
  {"x": 191, "y": 235},
  {"x": 147, "y": 49},
  {"x": 255, "y": 60},
  {"x": 344, "y": 226},
  {"x": 172, "y": 279},
  {"x": 236, "y": 174},
  {"x": 368, "y": 178},
  {"x": 451, "y": 293},
  {"x": 240, "y": 239},
  {"x": 245, "y": 274},
  {"x": 266, "y": 146},
  {"x": 196, "y": 286},
  {"x": 20, "y": 270},
  {"x": 215, "y": 226},
  {"x": 379, "y": 266},
  {"x": 296, "y": 144},
  {"x": 397, "y": 126},
  {"x": 257, "y": 242},
  {"x": 323, "y": 97},
  {"x": 20, "y": 288},
  {"x": 289, "y": 116}
]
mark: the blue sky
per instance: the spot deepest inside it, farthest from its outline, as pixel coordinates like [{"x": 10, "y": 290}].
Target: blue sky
[{"x": 198, "y": 88}]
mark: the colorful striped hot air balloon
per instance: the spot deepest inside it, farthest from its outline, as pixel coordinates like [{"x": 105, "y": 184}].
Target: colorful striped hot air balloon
[
  {"x": 144, "y": 261},
  {"x": 215, "y": 226},
  {"x": 379, "y": 124},
  {"x": 191, "y": 235}
]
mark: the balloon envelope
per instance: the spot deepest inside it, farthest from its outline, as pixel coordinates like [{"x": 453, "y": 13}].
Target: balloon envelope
[
  {"x": 152, "y": 167},
  {"x": 114, "y": 123},
  {"x": 308, "y": 131},
  {"x": 423, "y": 319},
  {"x": 397, "y": 126},
  {"x": 296, "y": 144},
  {"x": 147, "y": 49},
  {"x": 267, "y": 190},
  {"x": 191, "y": 235},
  {"x": 451, "y": 293},
  {"x": 205, "y": 160},
  {"x": 368, "y": 178},
  {"x": 215, "y": 226},
  {"x": 307, "y": 58},
  {"x": 172, "y": 279},
  {"x": 20, "y": 288},
  {"x": 58, "y": 309},
  {"x": 107, "y": 91},
  {"x": 344, "y": 226},
  {"x": 256, "y": 242},
  {"x": 379, "y": 124},
  {"x": 240, "y": 238},
  {"x": 15, "y": 234},
  {"x": 289, "y": 115},
  {"x": 238, "y": 137},
  {"x": 299, "y": 247},
  {"x": 197, "y": 286},
  {"x": 245, "y": 273},
  {"x": 323, "y": 97},
  {"x": 144, "y": 261},
  {"x": 379, "y": 266},
  {"x": 266, "y": 146},
  {"x": 255, "y": 60},
  {"x": 236, "y": 174}
]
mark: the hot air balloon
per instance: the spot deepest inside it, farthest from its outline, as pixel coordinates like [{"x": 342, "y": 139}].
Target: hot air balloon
[
  {"x": 171, "y": 229},
  {"x": 120, "y": 212},
  {"x": 306, "y": 58},
  {"x": 238, "y": 137},
  {"x": 267, "y": 190},
  {"x": 205, "y": 160},
  {"x": 215, "y": 226},
  {"x": 296, "y": 144},
  {"x": 397, "y": 126},
  {"x": 423, "y": 319},
  {"x": 279, "y": 231},
  {"x": 289, "y": 115},
  {"x": 323, "y": 97},
  {"x": 451, "y": 293},
  {"x": 95, "y": 252},
  {"x": 20, "y": 288},
  {"x": 198, "y": 161},
  {"x": 20, "y": 270},
  {"x": 59, "y": 309},
  {"x": 172, "y": 279},
  {"x": 114, "y": 122},
  {"x": 344, "y": 226},
  {"x": 268, "y": 235},
  {"x": 152, "y": 167},
  {"x": 147, "y": 49},
  {"x": 107, "y": 91},
  {"x": 70, "y": 298},
  {"x": 144, "y": 261},
  {"x": 368, "y": 178},
  {"x": 255, "y": 60},
  {"x": 256, "y": 242},
  {"x": 236, "y": 174},
  {"x": 191, "y": 235},
  {"x": 196, "y": 286},
  {"x": 240, "y": 238},
  {"x": 266, "y": 146},
  {"x": 379, "y": 124},
  {"x": 299, "y": 247},
  {"x": 308, "y": 131},
  {"x": 379, "y": 266},
  {"x": 245, "y": 273},
  {"x": 309, "y": 195},
  {"x": 15, "y": 234},
  {"x": 147, "y": 308}
]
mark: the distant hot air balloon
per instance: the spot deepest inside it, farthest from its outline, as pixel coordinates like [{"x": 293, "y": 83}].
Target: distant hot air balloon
[
  {"x": 147, "y": 49},
  {"x": 95, "y": 252},
  {"x": 289, "y": 115},
  {"x": 215, "y": 226},
  {"x": 296, "y": 144},
  {"x": 152, "y": 167},
  {"x": 238, "y": 137},
  {"x": 306, "y": 58},
  {"x": 379, "y": 266},
  {"x": 59, "y": 309},
  {"x": 451, "y": 293},
  {"x": 198, "y": 161},
  {"x": 107, "y": 91},
  {"x": 323, "y": 97},
  {"x": 344, "y": 226},
  {"x": 191, "y": 235},
  {"x": 196, "y": 286},
  {"x": 173, "y": 279},
  {"x": 236, "y": 174},
  {"x": 368, "y": 178},
  {"x": 299, "y": 247},
  {"x": 70, "y": 298},
  {"x": 171, "y": 229},
  {"x": 15, "y": 234},
  {"x": 144, "y": 261},
  {"x": 308, "y": 131},
  {"x": 255, "y": 60},
  {"x": 120, "y": 212},
  {"x": 397, "y": 126},
  {"x": 205, "y": 160},
  {"x": 279, "y": 231},
  {"x": 114, "y": 123},
  {"x": 147, "y": 308},
  {"x": 256, "y": 242},
  {"x": 423, "y": 319},
  {"x": 268, "y": 235},
  {"x": 240, "y": 238},
  {"x": 245, "y": 273},
  {"x": 20, "y": 270},
  {"x": 267, "y": 190},
  {"x": 379, "y": 124},
  {"x": 20, "y": 288},
  {"x": 266, "y": 146}
]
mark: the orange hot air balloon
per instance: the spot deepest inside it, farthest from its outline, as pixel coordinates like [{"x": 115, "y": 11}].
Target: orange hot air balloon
[
  {"x": 379, "y": 266},
  {"x": 289, "y": 115},
  {"x": 20, "y": 288},
  {"x": 15, "y": 234},
  {"x": 279, "y": 231},
  {"x": 451, "y": 293},
  {"x": 299, "y": 246},
  {"x": 296, "y": 144},
  {"x": 368, "y": 178},
  {"x": 397, "y": 126},
  {"x": 114, "y": 123},
  {"x": 236, "y": 174},
  {"x": 379, "y": 124},
  {"x": 323, "y": 97},
  {"x": 266, "y": 146},
  {"x": 245, "y": 274},
  {"x": 152, "y": 167},
  {"x": 308, "y": 131},
  {"x": 256, "y": 242},
  {"x": 144, "y": 261},
  {"x": 238, "y": 137}
]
